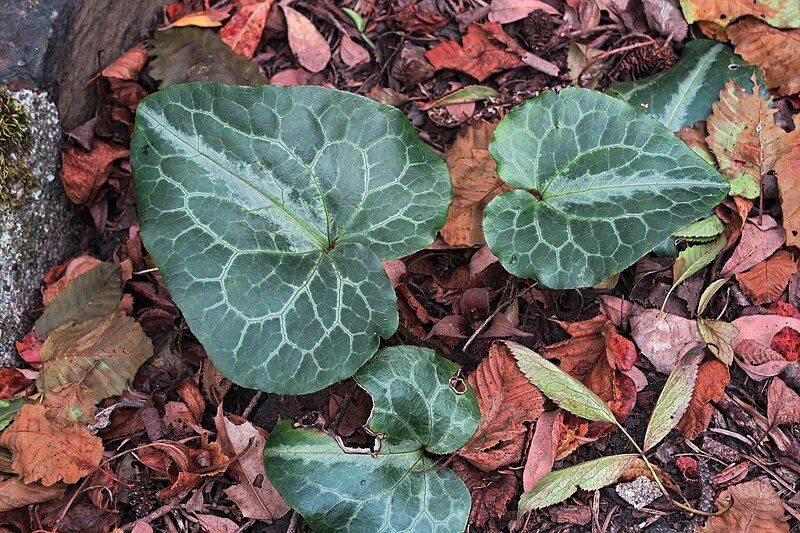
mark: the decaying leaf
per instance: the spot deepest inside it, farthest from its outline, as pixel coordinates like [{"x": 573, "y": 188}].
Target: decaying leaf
[
  {"x": 766, "y": 281},
  {"x": 787, "y": 171},
  {"x": 352, "y": 53},
  {"x": 184, "y": 466},
  {"x": 557, "y": 486},
  {"x": 718, "y": 334},
  {"x": 210, "y": 18},
  {"x": 542, "y": 450},
  {"x": 665, "y": 17},
  {"x": 307, "y": 43},
  {"x": 507, "y": 401},
  {"x": 83, "y": 173},
  {"x": 128, "y": 65},
  {"x": 776, "y": 52},
  {"x": 754, "y": 506},
  {"x": 243, "y": 32},
  {"x": 475, "y": 184},
  {"x": 484, "y": 51},
  {"x": 506, "y": 11},
  {"x": 491, "y": 493},
  {"x": 779, "y": 13},
  {"x": 15, "y": 493},
  {"x": 674, "y": 398},
  {"x": 578, "y": 58},
  {"x": 787, "y": 343},
  {"x": 663, "y": 337},
  {"x": 758, "y": 242},
  {"x": 586, "y": 345},
  {"x": 50, "y": 452},
  {"x": 783, "y": 404},
  {"x": 712, "y": 378}
]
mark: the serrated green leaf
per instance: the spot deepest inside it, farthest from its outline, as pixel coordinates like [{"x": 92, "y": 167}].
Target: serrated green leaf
[
  {"x": 399, "y": 489},
  {"x": 268, "y": 211},
  {"x": 357, "y": 19},
  {"x": 745, "y": 187},
  {"x": 702, "y": 230},
  {"x": 566, "y": 391},
  {"x": 718, "y": 335},
  {"x": 557, "y": 486},
  {"x": 473, "y": 93},
  {"x": 683, "y": 94},
  {"x": 600, "y": 184},
  {"x": 198, "y": 54},
  {"x": 695, "y": 258},
  {"x": 8, "y": 409},
  {"x": 93, "y": 294},
  {"x": 674, "y": 398},
  {"x": 709, "y": 293}
]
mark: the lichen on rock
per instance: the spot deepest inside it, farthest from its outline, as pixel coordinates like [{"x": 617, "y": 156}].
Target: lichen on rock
[{"x": 16, "y": 179}]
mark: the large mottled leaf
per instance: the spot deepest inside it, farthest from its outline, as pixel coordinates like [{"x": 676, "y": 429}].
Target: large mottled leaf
[
  {"x": 93, "y": 294},
  {"x": 198, "y": 54},
  {"x": 566, "y": 391},
  {"x": 93, "y": 360},
  {"x": 268, "y": 211},
  {"x": 557, "y": 486},
  {"x": 683, "y": 94},
  {"x": 779, "y": 13},
  {"x": 397, "y": 489},
  {"x": 674, "y": 398},
  {"x": 599, "y": 184}
]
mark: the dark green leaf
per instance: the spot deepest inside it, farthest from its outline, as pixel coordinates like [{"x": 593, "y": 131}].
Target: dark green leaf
[
  {"x": 399, "y": 489},
  {"x": 268, "y": 211},
  {"x": 94, "y": 294},
  {"x": 599, "y": 184},
  {"x": 8, "y": 409},
  {"x": 683, "y": 94},
  {"x": 198, "y": 54}
]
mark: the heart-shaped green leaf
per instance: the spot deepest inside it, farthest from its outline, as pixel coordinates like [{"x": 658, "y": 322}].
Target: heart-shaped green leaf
[
  {"x": 399, "y": 489},
  {"x": 683, "y": 94},
  {"x": 599, "y": 184},
  {"x": 268, "y": 210}
]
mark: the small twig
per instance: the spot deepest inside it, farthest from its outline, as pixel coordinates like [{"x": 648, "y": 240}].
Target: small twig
[
  {"x": 485, "y": 323},
  {"x": 609, "y": 53},
  {"x": 348, "y": 399},
  {"x": 251, "y": 405},
  {"x": 293, "y": 522},
  {"x": 155, "y": 515}
]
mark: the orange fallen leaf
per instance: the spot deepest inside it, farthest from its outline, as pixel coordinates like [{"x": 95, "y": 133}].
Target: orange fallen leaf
[
  {"x": 15, "y": 493},
  {"x": 83, "y": 173},
  {"x": 758, "y": 242},
  {"x": 507, "y": 401},
  {"x": 485, "y": 49},
  {"x": 506, "y": 11},
  {"x": 128, "y": 65},
  {"x": 42, "y": 450},
  {"x": 787, "y": 170},
  {"x": 579, "y": 353},
  {"x": 307, "y": 43},
  {"x": 776, "y": 52},
  {"x": 780, "y": 13},
  {"x": 712, "y": 378},
  {"x": 754, "y": 506},
  {"x": 475, "y": 184},
  {"x": 352, "y": 53},
  {"x": 243, "y": 32},
  {"x": 766, "y": 281},
  {"x": 183, "y": 466},
  {"x": 783, "y": 404},
  {"x": 210, "y": 18}
]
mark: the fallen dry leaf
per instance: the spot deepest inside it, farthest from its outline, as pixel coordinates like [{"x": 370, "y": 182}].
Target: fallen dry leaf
[
  {"x": 776, "y": 52},
  {"x": 542, "y": 448},
  {"x": 759, "y": 361},
  {"x": 254, "y": 495},
  {"x": 12, "y": 382},
  {"x": 49, "y": 452},
  {"x": 762, "y": 328},
  {"x": 183, "y": 466},
  {"x": 787, "y": 343},
  {"x": 243, "y": 32},
  {"x": 718, "y": 334},
  {"x": 507, "y": 401},
  {"x": 766, "y": 281},
  {"x": 665, "y": 17},
  {"x": 15, "y": 493},
  {"x": 307, "y": 43},
  {"x": 475, "y": 184},
  {"x": 485, "y": 49},
  {"x": 415, "y": 18},
  {"x": 662, "y": 337},
  {"x": 754, "y": 507},
  {"x": 712, "y": 378},
  {"x": 742, "y": 132},
  {"x": 73, "y": 269},
  {"x": 83, "y": 173},
  {"x": 491, "y": 493},
  {"x": 210, "y": 18},
  {"x": 780, "y": 13},
  {"x": 787, "y": 171},
  {"x": 128, "y": 65},
  {"x": 216, "y": 524},
  {"x": 506, "y": 11},
  {"x": 352, "y": 53},
  {"x": 783, "y": 404},
  {"x": 757, "y": 243},
  {"x": 586, "y": 345}
]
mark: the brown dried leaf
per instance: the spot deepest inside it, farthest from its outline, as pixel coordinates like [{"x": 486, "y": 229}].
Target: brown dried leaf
[
  {"x": 507, "y": 401},
  {"x": 754, "y": 507},
  {"x": 50, "y": 452},
  {"x": 15, "y": 493},
  {"x": 506, "y": 11},
  {"x": 783, "y": 404},
  {"x": 485, "y": 49},
  {"x": 787, "y": 170},
  {"x": 475, "y": 184},
  {"x": 766, "y": 281},
  {"x": 210, "y": 18},
  {"x": 663, "y": 337},
  {"x": 776, "y": 52},
  {"x": 83, "y": 173},
  {"x": 243, "y": 32},
  {"x": 352, "y": 53},
  {"x": 491, "y": 493},
  {"x": 779, "y": 13},
  {"x": 757, "y": 243},
  {"x": 542, "y": 450},
  {"x": 712, "y": 378},
  {"x": 128, "y": 65},
  {"x": 665, "y": 17},
  {"x": 307, "y": 43}
]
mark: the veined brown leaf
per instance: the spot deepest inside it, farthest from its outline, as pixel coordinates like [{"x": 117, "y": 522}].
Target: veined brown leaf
[
  {"x": 712, "y": 378},
  {"x": 718, "y": 334},
  {"x": 243, "y": 32},
  {"x": 779, "y": 13},
  {"x": 557, "y": 486},
  {"x": 674, "y": 398},
  {"x": 754, "y": 506},
  {"x": 776, "y": 52},
  {"x": 307, "y": 43},
  {"x": 783, "y": 404},
  {"x": 787, "y": 170},
  {"x": 766, "y": 281},
  {"x": 15, "y": 493},
  {"x": 563, "y": 389}
]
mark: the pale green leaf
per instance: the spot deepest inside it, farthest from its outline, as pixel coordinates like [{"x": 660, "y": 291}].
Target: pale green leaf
[
  {"x": 268, "y": 211},
  {"x": 599, "y": 184},
  {"x": 703, "y": 230},
  {"x": 557, "y": 486},
  {"x": 8, "y": 409},
  {"x": 674, "y": 398},
  {"x": 708, "y": 294},
  {"x": 93, "y": 294},
  {"x": 357, "y": 19},
  {"x": 745, "y": 186},
  {"x": 566, "y": 391},
  {"x": 718, "y": 335},
  {"x": 683, "y": 95},
  {"x": 398, "y": 489},
  {"x": 695, "y": 258},
  {"x": 472, "y": 93}
]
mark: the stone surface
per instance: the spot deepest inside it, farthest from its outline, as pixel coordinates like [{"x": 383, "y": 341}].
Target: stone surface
[
  {"x": 34, "y": 235},
  {"x": 639, "y": 492},
  {"x": 59, "y": 45}
]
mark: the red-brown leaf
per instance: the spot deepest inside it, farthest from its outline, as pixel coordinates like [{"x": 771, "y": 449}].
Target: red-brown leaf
[
  {"x": 766, "y": 281},
  {"x": 485, "y": 49},
  {"x": 712, "y": 378},
  {"x": 243, "y": 32}
]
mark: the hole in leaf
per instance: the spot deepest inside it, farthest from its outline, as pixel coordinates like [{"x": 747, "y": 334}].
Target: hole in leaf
[{"x": 733, "y": 66}]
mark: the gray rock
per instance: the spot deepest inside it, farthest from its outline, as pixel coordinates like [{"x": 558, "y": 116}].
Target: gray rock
[
  {"x": 59, "y": 45},
  {"x": 639, "y": 492},
  {"x": 34, "y": 234}
]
